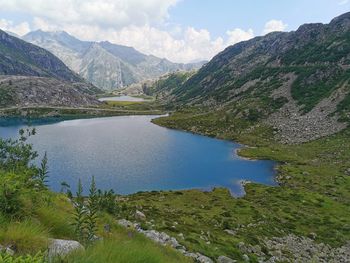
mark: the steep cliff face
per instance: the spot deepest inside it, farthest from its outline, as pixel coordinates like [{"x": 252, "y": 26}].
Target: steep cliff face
[
  {"x": 18, "y": 57},
  {"x": 297, "y": 82},
  {"x": 124, "y": 65}
]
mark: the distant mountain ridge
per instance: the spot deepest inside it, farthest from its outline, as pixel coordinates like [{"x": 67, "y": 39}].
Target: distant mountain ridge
[{"x": 106, "y": 65}]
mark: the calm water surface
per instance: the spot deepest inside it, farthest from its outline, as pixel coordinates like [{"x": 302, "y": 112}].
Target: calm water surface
[
  {"x": 130, "y": 154},
  {"x": 122, "y": 98}
]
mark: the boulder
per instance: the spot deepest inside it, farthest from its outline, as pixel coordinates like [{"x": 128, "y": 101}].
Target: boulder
[
  {"x": 139, "y": 215},
  {"x": 224, "y": 259},
  {"x": 61, "y": 248}
]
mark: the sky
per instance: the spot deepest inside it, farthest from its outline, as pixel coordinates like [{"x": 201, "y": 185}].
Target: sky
[{"x": 179, "y": 30}]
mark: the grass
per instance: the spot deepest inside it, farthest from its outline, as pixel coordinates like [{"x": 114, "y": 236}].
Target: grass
[
  {"x": 28, "y": 236},
  {"x": 125, "y": 246}
]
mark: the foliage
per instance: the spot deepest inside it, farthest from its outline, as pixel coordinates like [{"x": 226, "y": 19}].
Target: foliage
[
  {"x": 38, "y": 258},
  {"x": 92, "y": 209},
  {"x": 27, "y": 236},
  {"x": 79, "y": 214},
  {"x": 107, "y": 201}
]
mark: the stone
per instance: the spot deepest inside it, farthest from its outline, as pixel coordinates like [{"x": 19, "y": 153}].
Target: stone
[
  {"x": 224, "y": 259},
  {"x": 107, "y": 228},
  {"x": 347, "y": 171},
  {"x": 61, "y": 248},
  {"x": 245, "y": 258},
  {"x": 125, "y": 223},
  {"x": 139, "y": 215}
]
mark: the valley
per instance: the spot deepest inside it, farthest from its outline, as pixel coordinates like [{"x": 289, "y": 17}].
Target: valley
[{"x": 244, "y": 160}]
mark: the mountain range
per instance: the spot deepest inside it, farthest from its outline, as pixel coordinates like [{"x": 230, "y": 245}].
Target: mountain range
[
  {"x": 296, "y": 82},
  {"x": 106, "y": 65}
]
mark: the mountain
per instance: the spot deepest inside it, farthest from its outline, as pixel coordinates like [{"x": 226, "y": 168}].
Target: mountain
[
  {"x": 28, "y": 91},
  {"x": 295, "y": 82},
  {"x": 32, "y": 76},
  {"x": 104, "y": 64},
  {"x": 18, "y": 57}
]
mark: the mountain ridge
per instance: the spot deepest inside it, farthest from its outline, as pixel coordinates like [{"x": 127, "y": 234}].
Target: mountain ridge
[
  {"x": 133, "y": 65},
  {"x": 283, "y": 79}
]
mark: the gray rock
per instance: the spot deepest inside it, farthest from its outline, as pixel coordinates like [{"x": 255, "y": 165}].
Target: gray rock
[
  {"x": 125, "y": 223},
  {"x": 139, "y": 215},
  {"x": 224, "y": 259},
  {"x": 246, "y": 258},
  {"x": 61, "y": 248}
]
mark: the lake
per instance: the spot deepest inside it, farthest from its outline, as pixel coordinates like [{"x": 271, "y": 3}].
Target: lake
[
  {"x": 122, "y": 98},
  {"x": 130, "y": 154}
]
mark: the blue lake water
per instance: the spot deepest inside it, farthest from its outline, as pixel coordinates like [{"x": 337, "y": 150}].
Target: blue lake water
[{"x": 130, "y": 154}]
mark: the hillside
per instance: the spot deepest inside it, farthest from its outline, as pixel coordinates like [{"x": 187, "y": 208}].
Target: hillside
[
  {"x": 18, "y": 57},
  {"x": 296, "y": 82},
  {"x": 106, "y": 65},
  {"x": 26, "y": 91}
]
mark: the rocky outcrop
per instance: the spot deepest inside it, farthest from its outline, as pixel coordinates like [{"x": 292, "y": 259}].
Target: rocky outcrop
[
  {"x": 165, "y": 240},
  {"x": 24, "y": 91},
  {"x": 61, "y": 248},
  {"x": 292, "y": 248},
  {"x": 293, "y": 126}
]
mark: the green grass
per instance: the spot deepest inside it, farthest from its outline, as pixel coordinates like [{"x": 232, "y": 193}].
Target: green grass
[
  {"x": 27, "y": 236},
  {"x": 124, "y": 247}
]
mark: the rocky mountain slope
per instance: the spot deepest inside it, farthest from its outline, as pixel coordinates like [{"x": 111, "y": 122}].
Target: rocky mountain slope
[
  {"x": 296, "y": 82},
  {"x": 18, "y": 57},
  {"x": 28, "y": 91},
  {"x": 104, "y": 64},
  {"x": 32, "y": 76}
]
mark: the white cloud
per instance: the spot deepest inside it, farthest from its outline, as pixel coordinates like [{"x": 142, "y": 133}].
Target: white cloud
[
  {"x": 238, "y": 35},
  {"x": 19, "y": 29},
  {"x": 274, "y": 25},
  {"x": 104, "y": 13},
  {"x": 343, "y": 2},
  {"x": 137, "y": 23}
]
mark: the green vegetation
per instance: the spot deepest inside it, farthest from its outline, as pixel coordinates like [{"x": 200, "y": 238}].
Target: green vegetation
[
  {"x": 312, "y": 199},
  {"x": 125, "y": 246},
  {"x": 30, "y": 215}
]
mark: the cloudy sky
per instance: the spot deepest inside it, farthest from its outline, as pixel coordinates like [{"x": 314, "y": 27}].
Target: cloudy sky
[{"x": 180, "y": 30}]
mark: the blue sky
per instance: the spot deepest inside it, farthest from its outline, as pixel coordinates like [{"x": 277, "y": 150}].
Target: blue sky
[
  {"x": 180, "y": 30},
  {"x": 218, "y": 16}
]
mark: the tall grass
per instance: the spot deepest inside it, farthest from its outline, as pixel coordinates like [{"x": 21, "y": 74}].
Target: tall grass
[{"x": 27, "y": 236}]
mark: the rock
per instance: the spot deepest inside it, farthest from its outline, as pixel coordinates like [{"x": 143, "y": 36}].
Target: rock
[
  {"x": 107, "y": 228},
  {"x": 61, "y": 248},
  {"x": 245, "y": 258},
  {"x": 231, "y": 232},
  {"x": 224, "y": 259},
  {"x": 139, "y": 215},
  {"x": 9, "y": 251},
  {"x": 347, "y": 171},
  {"x": 125, "y": 223}
]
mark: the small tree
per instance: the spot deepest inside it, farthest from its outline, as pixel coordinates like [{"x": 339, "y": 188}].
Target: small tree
[
  {"x": 92, "y": 207},
  {"x": 43, "y": 172},
  {"x": 79, "y": 214}
]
